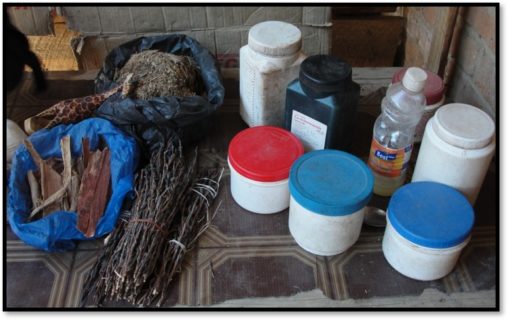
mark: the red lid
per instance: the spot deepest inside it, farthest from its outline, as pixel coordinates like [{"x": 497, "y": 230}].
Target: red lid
[
  {"x": 434, "y": 87},
  {"x": 264, "y": 153}
]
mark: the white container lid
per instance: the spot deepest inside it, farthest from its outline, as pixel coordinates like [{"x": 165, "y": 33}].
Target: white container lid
[
  {"x": 275, "y": 38},
  {"x": 464, "y": 126}
]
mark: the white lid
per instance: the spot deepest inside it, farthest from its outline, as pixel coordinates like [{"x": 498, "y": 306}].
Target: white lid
[
  {"x": 464, "y": 126},
  {"x": 414, "y": 79},
  {"x": 275, "y": 38}
]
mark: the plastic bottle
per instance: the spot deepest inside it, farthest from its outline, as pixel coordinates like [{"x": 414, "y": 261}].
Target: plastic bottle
[{"x": 393, "y": 135}]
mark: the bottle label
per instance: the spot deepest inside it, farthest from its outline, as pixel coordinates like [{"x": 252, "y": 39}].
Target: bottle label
[
  {"x": 388, "y": 162},
  {"x": 311, "y": 132}
]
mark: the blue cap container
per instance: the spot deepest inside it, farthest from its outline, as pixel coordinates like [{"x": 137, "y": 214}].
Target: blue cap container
[
  {"x": 331, "y": 182},
  {"x": 329, "y": 189},
  {"x": 431, "y": 214},
  {"x": 428, "y": 225}
]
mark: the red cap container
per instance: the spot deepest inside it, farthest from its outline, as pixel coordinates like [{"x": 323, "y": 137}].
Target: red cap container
[
  {"x": 264, "y": 153},
  {"x": 434, "y": 87}
]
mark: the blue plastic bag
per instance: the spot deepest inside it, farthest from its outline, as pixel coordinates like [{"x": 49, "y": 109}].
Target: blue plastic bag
[{"x": 57, "y": 231}]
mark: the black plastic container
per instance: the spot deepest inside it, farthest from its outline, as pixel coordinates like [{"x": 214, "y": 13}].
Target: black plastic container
[{"x": 321, "y": 104}]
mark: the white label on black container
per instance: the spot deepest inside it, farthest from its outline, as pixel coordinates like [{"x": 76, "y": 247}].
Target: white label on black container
[{"x": 311, "y": 132}]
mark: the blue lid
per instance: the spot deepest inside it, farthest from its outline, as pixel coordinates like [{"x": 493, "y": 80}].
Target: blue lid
[
  {"x": 331, "y": 182},
  {"x": 431, "y": 214}
]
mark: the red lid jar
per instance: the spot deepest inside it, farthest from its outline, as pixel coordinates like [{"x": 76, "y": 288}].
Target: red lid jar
[{"x": 264, "y": 153}]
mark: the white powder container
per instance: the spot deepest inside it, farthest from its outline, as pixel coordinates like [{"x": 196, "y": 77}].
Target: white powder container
[
  {"x": 457, "y": 148},
  {"x": 329, "y": 190},
  {"x": 269, "y": 61},
  {"x": 428, "y": 225},
  {"x": 259, "y": 159}
]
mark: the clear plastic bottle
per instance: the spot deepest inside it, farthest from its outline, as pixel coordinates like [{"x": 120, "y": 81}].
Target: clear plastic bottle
[{"x": 393, "y": 135}]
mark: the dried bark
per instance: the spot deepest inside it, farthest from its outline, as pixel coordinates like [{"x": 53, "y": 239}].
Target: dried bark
[
  {"x": 93, "y": 193},
  {"x": 66, "y": 179},
  {"x": 35, "y": 192}
]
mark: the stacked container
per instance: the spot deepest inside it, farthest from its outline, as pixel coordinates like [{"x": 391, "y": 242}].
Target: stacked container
[
  {"x": 329, "y": 190},
  {"x": 269, "y": 61},
  {"x": 428, "y": 225},
  {"x": 457, "y": 149},
  {"x": 260, "y": 159}
]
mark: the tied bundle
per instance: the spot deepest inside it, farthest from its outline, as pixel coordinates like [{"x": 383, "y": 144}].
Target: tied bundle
[{"x": 145, "y": 251}]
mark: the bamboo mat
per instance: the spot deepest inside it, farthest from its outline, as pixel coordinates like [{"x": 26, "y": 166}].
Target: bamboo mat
[{"x": 54, "y": 51}]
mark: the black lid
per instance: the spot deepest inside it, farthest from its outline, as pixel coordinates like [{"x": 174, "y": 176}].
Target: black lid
[{"x": 322, "y": 75}]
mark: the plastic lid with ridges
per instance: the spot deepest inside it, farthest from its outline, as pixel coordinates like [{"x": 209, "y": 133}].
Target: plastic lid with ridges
[
  {"x": 464, "y": 126},
  {"x": 414, "y": 79},
  {"x": 434, "y": 86},
  {"x": 275, "y": 38},
  {"x": 331, "y": 182},
  {"x": 264, "y": 153},
  {"x": 431, "y": 214}
]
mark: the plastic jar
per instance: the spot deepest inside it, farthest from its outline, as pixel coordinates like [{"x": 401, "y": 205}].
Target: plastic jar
[
  {"x": 434, "y": 96},
  {"x": 259, "y": 159},
  {"x": 428, "y": 225},
  {"x": 328, "y": 193},
  {"x": 321, "y": 104},
  {"x": 269, "y": 61},
  {"x": 457, "y": 149}
]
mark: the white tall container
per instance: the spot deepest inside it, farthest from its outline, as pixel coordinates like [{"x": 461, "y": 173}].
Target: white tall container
[
  {"x": 269, "y": 61},
  {"x": 457, "y": 147}
]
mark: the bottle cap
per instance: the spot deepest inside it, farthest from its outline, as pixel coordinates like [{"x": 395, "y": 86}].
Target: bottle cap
[
  {"x": 414, "y": 79},
  {"x": 434, "y": 86}
]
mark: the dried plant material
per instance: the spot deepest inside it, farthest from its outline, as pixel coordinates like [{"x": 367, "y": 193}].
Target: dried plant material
[
  {"x": 35, "y": 155},
  {"x": 146, "y": 250},
  {"x": 66, "y": 179},
  {"x": 93, "y": 193},
  {"x": 160, "y": 74},
  {"x": 87, "y": 191},
  {"x": 51, "y": 182},
  {"x": 73, "y": 192},
  {"x": 35, "y": 192}
]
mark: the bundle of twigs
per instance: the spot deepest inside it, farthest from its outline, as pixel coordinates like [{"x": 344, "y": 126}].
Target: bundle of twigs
[{"x": 147, "y": 248}]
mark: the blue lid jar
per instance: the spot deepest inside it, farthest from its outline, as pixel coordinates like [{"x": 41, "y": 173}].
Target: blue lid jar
[
  {"x": 330, "y": 182},
  {"x": 431, "y": 214}
]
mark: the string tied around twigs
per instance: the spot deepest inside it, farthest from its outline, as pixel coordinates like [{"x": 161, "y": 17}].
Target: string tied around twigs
[{"x": 178, "y": 243}]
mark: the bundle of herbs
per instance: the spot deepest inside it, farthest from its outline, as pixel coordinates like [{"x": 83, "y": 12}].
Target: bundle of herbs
[{"x": 146, "y": 250}]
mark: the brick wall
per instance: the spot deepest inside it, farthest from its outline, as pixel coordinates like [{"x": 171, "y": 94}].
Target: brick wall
[{"x": 474, "y": 79}]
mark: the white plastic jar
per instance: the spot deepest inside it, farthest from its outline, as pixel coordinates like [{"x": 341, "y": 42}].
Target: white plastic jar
[
  {"x": 457, "y": 148},
  {"x": 428, "y": 225},
  {"x": 434, "y": 96},
  {"x": 259, "y": 160},
  {"x": 329, "y": 190},
  {"x": 269, "y": 61}
]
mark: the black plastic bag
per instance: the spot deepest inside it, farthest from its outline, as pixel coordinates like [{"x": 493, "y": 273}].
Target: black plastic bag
[{"x": 154, "y": 121}]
